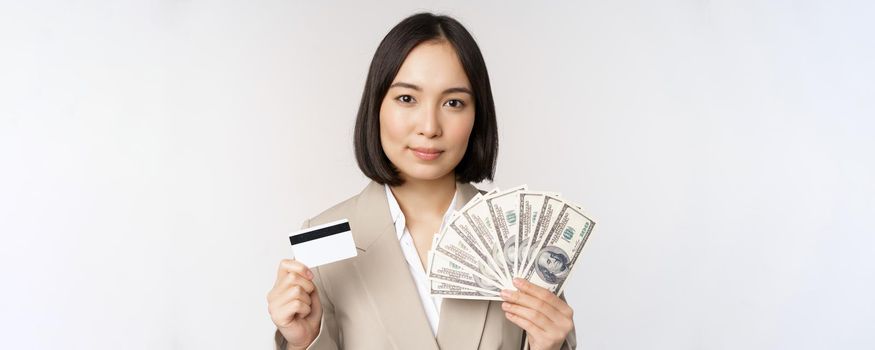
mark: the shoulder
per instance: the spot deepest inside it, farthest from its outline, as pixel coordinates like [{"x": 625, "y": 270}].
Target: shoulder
[
  {"x": 336, "y": 212},
  {"x": 371, "y": 197}
]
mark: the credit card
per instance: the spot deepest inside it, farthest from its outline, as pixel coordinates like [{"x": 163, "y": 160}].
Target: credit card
[{"x": 323, "y": 244}]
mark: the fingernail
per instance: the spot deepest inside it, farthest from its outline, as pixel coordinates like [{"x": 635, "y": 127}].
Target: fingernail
[
  {"x": 505, "y": 294},
  {"x": 505, "y": 306},
  {"x": 309, "y": 274},
  {"x": 517, "y": 282}
]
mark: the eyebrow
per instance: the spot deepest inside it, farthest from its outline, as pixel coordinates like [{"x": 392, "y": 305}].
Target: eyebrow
[{"x": 447, "y": 91}]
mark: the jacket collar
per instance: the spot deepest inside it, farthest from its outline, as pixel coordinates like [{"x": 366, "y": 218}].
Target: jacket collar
[{"x": 372, "y": 212}]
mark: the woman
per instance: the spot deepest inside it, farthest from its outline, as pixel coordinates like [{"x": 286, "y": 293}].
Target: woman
[{"x": 425, "y": 129}]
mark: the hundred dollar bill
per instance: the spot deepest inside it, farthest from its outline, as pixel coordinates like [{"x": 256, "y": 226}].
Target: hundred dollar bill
[
  {"x": 556, "y": 256},
  {"x": 460, "y": 227},
  {"x": 481, "y": 222},
  {"x": 478, "y": 269},
  {"x": 446, "y": 270},
  {"x": 548, "y": 213},
  {"x": 451, "y": 291},
  {"x": 546, "y": 218},
  {"x": 473, "y": 201},
  {"x": 530, "y": 204},
  {"x": 451, "y": 245},
  {"x": 504, "y": 211}
]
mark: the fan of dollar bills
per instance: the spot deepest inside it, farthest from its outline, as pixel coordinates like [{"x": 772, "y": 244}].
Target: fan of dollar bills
[{"x": 537, "y": 236}]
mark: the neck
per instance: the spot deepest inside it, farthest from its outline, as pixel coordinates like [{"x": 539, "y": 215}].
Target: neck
[{"x": 428, "y": 197}]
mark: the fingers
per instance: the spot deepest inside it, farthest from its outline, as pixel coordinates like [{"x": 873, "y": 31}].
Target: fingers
[
  {"x": 544, "y": 315},
  {"x": 286, "y": 306},
  {"x": 532, "y": 303},
  {"x": 521, "y": 321},
  {"x": 316, "y": 304},
  {"x": 292, "y": 272},
  {"x": 544, "y": 295},
  {"x": 296, "y": 293},
  {"x": 292, "y": 265},
  {"x": 287, "y": 285},
  {"x": 293, "y": 302},
  {"x": 544, "y": 332},
  {"x": 295, "y": 279},
  {"x": 539, "y": 319},
  {"x": 291, "y": 285},
  {"x": 283, "y": 315}
]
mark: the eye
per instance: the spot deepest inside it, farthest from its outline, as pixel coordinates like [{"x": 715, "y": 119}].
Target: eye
[
  {"x": 455, "y": 103},
  {"x": 405, "y": 99}
]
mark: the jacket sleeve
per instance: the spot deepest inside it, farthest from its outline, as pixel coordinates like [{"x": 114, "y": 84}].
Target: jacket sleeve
[{"x": 329, "y": 335}]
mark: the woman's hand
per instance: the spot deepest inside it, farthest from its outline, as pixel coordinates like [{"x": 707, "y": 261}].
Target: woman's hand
[
  {"x": 546, "y": 318},
  {"x": 294, "y": 305}
]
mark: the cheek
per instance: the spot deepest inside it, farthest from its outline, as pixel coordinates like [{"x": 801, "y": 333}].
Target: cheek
[
  {"x": 460, "y": 130},
  {"x": 392, "y": 126}
]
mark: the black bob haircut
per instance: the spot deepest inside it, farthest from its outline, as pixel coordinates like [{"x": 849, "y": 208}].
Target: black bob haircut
[{"x": 478, "y": 163}]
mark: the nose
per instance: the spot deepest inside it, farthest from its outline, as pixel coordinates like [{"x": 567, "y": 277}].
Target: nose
[{"x": 429, "y": 124}]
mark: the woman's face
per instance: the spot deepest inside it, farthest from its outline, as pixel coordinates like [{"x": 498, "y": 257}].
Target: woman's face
[{"x": 428, "y": 113}]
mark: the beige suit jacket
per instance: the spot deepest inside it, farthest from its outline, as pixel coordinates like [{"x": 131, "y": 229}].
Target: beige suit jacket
[{"x": 371, "y": 301}]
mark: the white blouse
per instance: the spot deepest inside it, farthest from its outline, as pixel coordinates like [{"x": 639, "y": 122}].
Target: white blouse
[{"x": 431, "y": 305}]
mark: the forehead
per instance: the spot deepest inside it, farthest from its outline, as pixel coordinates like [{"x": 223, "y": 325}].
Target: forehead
[{"x": 433, "y": 65}]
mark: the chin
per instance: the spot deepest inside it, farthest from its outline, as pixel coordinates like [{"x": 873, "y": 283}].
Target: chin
[{"x": 426, "y": 173}]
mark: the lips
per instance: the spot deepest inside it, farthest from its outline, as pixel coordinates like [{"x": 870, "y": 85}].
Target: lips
[{"x": 426, "y": 153}]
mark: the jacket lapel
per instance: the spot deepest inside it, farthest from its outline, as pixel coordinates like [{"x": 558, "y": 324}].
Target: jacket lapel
[
  {"x": 462, "y": 321},
  {"x": 389, "y": 285},
  {"x": 385, "y": 273}
]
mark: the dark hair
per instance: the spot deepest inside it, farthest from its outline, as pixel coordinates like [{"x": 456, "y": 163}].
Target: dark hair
[{"x": 478, "y": 163}]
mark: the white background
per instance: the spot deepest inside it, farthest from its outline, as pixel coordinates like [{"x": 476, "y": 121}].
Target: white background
[{"x": 155, "y": 154}]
